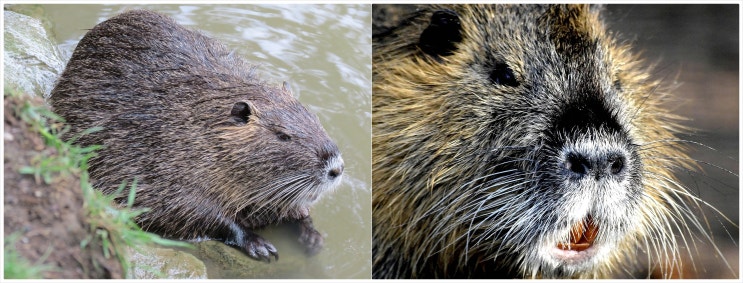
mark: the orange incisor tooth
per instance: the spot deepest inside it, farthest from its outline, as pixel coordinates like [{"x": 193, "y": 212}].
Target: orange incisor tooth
[
  {"x": 576, "y": 232},
  {"x": 582, "y": 235},
  {"x": 591, "y": 232}
]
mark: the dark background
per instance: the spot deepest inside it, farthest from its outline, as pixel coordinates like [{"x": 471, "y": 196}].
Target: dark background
[{"x": 697, "y": 48}]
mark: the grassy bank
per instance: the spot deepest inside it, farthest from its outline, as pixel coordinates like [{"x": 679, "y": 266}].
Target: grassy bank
[{"x": 43, "y": 165}]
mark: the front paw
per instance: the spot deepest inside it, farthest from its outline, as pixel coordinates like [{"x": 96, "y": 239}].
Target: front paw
[
  {"x": 258, "y": 248},
  {"x": 309, "y": 237}
]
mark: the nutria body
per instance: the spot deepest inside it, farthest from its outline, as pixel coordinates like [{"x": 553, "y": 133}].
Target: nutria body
[
  {"x": 520, "y": 141},
  {"x": 215, "y": 151}
]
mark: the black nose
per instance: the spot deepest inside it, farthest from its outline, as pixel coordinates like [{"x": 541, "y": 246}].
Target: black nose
[
  {"x": 335, "y": 172},
  {"x": 332, "y": 160},
  {"x": 594, "y": 163}
]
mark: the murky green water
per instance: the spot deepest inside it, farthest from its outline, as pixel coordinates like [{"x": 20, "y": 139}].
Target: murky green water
[{"x": 324, "y": 52}]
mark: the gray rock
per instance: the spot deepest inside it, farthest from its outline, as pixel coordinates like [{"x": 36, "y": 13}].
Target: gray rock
[
  {"x": 32, "y": 59},
  {"x": 228, "y": 262},
  {"x": 158, "y": 263}
]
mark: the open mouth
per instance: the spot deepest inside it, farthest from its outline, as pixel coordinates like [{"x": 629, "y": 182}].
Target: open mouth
[{"x": 582, "y": 235}]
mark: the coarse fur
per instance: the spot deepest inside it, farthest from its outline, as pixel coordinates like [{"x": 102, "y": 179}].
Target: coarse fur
[
  {"x": 215, "y": 152},
  {"x": 498, "y": 128}
]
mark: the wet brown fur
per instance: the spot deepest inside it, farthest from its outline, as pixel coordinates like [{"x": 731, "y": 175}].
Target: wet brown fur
[{"x": 163, "y": 96}]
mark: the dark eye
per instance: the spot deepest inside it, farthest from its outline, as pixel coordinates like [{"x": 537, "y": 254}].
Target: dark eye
[
  {"x": 503, "y": 75},
  {"x": 283, "y": 136}
]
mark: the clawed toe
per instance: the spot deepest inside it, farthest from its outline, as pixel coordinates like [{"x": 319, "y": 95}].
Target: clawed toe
[{"x": 260, "y": 249}]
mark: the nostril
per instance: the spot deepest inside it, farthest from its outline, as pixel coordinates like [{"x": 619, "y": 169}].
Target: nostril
[
  {"x": 335, "y": 172},
  {"x": 577, "y": 164},
  {"x": 617, "y": 164}
]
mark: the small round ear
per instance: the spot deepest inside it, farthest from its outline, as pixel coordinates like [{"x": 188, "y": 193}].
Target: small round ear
[
  {"x": 240, "y": 112},
  {"x": 442, "y": 33}
]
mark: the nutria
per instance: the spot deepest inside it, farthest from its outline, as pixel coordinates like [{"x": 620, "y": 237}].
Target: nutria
[
  {"x": 520, "y": 141},
  {"x": 215, "y": 151}
]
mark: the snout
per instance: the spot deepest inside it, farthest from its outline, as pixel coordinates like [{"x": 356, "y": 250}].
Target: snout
[{"x": 332, "y": 163}]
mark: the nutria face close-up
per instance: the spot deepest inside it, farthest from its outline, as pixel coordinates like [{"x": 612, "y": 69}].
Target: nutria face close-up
[{"x": 520, "y": 141}]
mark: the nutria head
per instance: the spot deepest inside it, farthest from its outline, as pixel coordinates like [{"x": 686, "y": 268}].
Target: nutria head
[{"x": 275, "y": 154}]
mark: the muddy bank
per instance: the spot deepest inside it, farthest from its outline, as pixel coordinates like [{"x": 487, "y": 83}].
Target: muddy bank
[{"x": 49, "y": 218}]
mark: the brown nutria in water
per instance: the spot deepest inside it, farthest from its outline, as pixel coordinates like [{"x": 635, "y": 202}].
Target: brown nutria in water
[
  {"x": 215, "y": 151},
  {"x": 520, "y": 141}
]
